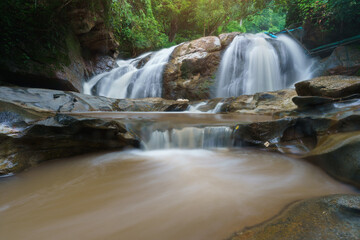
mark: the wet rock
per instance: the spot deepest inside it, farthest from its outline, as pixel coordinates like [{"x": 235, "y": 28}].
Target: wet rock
[
  {"x": 267, "y": 103},
  {"x": 329, "y": 86},
  {"x": 42, "y": 100},
  {"x": 152, "y": 105},
  {"x": 331, "y": 217},
  {"x": 99, "y": 64},
  {"x": 339, "y": 155},
  {"x": 314, "y": 101},
  {"x": 191, "y": 71}
]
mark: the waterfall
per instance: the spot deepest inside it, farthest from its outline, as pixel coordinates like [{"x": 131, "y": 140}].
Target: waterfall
[
  {"x": 130, "y": 79},
  {"x": 190, "y": 137},
  {"x": 258, "y": 63}
]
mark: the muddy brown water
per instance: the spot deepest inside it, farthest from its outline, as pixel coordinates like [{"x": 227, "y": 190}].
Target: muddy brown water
[{"x": 163, "y": 194}]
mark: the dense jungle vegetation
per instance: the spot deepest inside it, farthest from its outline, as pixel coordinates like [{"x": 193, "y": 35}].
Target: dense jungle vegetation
[{"x": 141, "y": 25}]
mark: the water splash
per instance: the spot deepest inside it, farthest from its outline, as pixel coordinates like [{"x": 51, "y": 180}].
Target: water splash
[
  {"x": 258, "y": 63},
  {"x": 130, "y": 80}
]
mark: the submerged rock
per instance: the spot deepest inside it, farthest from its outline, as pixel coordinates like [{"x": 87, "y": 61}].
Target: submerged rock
[
  {"x": 331, "y": 217},
  {"x": 329, "y": 86}
]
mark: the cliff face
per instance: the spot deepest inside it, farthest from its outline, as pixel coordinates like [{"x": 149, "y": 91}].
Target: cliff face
[{"x": 75, "y": 43}]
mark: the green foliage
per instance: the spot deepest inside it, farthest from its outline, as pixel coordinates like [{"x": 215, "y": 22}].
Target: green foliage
[
  {"x": 31, "y": 31},
  {"x": 37, "y": 32},
  {"x": 142, "y": 25},
  {"x": 135, "y": 26},
  {"x": 329, "y": 15},
  {"x": 266, "y": 20}
]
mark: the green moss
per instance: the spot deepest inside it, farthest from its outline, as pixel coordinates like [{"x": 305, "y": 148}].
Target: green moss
[{"x": 357, "y": 73}]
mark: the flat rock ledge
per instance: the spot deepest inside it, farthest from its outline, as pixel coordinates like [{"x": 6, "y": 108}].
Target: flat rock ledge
[
  {"x": 62, "y": 101},
  {"x": 329, "y": 86},
  {"x": 28, "y": 138}
]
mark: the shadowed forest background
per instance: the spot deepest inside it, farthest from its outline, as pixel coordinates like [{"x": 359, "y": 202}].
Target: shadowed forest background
[{"x": 37, "y": 29}]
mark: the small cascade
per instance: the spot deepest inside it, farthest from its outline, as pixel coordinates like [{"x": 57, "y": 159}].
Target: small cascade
[
  {"x": 217, "y": 108},
  {"x": 258, "y": 63},
  {"x": 197, "y": 108},
  {"x": 130, "y": 79},
  {"x": 190, "y": 138}
]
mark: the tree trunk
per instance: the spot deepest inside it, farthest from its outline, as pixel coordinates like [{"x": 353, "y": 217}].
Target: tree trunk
[{"x": 173, "y": 30}]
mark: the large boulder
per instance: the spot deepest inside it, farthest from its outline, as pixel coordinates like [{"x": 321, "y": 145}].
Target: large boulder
[
  {"x": 329, "y": 86},
  {"x": 344, "y": 60},
  {"x": 331, "y": 217},
  {"x": 227, "y": 38},
  {"x": 191, "y": 71}
]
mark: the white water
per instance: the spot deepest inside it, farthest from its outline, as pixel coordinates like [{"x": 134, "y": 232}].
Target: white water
[
  {"x": 258, "y": 63},
  {"x": 197, "y": 108},
  {"x": 131, "y": 81},
  {"x": 189, "y": 138}
]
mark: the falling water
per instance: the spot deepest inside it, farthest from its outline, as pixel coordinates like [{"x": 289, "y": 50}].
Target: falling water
[
  {"x": 197, "y": 108},
  {"x": 130, "y": 79},
  {"x": 190, "y": 138},
  {"x": 257, "y": 63}
]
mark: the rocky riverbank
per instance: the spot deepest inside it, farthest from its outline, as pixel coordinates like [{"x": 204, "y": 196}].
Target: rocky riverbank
[{"x": 301, "y": 125}]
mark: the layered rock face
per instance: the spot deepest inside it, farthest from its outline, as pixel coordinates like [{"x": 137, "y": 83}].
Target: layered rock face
[
  {"x": 191, "y": 71},
  {"x": 90, "y": 48}
]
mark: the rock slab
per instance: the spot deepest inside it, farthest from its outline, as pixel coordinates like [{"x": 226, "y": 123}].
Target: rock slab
[{"x": 329, "y": 86}]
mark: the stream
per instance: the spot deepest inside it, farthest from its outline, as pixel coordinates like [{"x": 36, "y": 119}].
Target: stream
[{"x": 184, "y": 186}]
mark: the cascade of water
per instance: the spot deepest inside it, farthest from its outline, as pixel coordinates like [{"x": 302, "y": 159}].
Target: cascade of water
[
  {"x": 190, "y": 137},
  {"x": 130, "y": 81},
  {"x": 196, "y": 108},
  {"x": 256, "y": 63}
]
